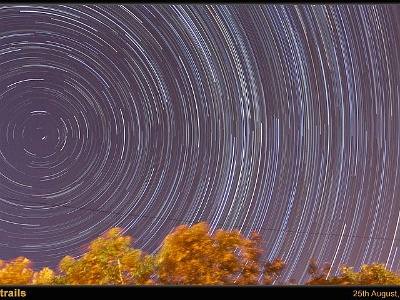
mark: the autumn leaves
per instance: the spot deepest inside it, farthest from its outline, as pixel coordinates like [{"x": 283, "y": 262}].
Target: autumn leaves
[{"x": 189, "y": 255}]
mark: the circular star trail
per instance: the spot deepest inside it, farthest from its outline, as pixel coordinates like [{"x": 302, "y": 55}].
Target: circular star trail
[{"x": 278, "y": 119}]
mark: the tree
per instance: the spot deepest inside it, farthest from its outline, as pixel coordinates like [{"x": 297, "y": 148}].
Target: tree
[
  {"x": 318, "y": 275},
  {"x": 374, "y": 274},
  {"x": 110, "y": 260},
  {"x": 17, "y": 271},
  {"x": 192, "y": 256},
  {"x": 43, "y": 277},
  {"x": 273, "y": 270}
]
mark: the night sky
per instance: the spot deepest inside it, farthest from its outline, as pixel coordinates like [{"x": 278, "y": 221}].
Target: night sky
[{"x": 284, "y": 120}]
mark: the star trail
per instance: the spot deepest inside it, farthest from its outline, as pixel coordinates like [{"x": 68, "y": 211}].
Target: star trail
[{"x": 280, "y": 119}]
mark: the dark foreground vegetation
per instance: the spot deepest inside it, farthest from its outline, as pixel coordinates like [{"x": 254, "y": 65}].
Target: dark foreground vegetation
[{"x": 189, "y": 255}]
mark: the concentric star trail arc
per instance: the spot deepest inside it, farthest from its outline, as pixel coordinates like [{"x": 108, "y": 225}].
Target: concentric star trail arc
[{"x": 279, "y": 119}]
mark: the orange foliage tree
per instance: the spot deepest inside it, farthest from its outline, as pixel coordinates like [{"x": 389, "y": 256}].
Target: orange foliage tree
[
  {"x": 192, "y": 256},
  {"x": 19, "y": 271},
  {"x": 373, "y": 274},
  {"x": 110, "y": 260}
]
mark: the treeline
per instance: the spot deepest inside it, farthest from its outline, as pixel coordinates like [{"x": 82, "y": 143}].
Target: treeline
[{"x": 189, "y": 255}]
